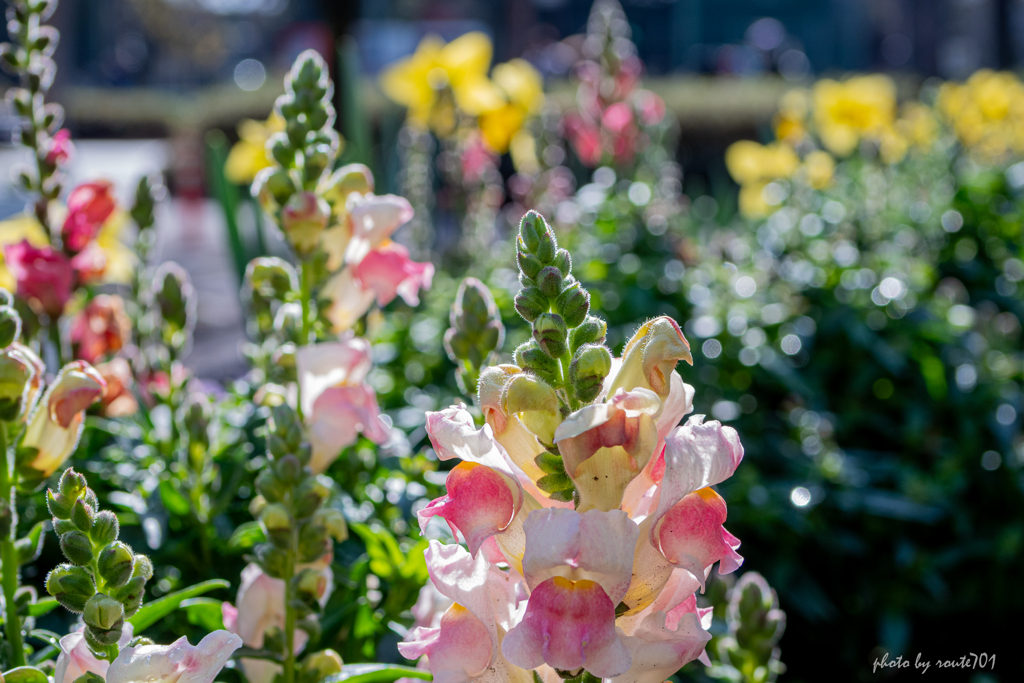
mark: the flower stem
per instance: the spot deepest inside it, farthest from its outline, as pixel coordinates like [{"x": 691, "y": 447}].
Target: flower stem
[
  {"x": 306, "y": 295},
  {"x": 9, "y": 557},
  {"x": 289, "y": 610}
]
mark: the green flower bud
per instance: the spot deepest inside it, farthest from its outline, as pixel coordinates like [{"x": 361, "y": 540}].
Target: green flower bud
[
  {"x": 320, "y": 665},
  {"x": 277, "y": 524},
  {"x": 310, "y": 495},
  {"x": 304, "y": 218},
  {"x": 311, "y": 585},
  {"x": 333, "y": 522},
  {"x": 130, "y": 595},
  {"x": 15, "y": 374},
  {"x": 527, "y": 393},
  {"x": 530, "y": 228},
  {"x": 273, "y": 560},
  {"x": 573, "y": 304},
  {"x": 105, "y": 528},
  {"x": 589, "y": 367},
  {"x": 10, "y": 326},
  {"x": 530, "y": 356},
  {"x": 271, "y": 277},
  {"x": 549, "y": 281},
  {"x": 591, "y": 331},
  {"x": 530, "y": 302},
  {"x": 288, "y": 468},
  {"x": 550, "y": 463},
  {"x": 58, "y": 505},
  {"x": 563, "y": 261},
  {"x": 72, "y": 486},
  {"x": 62, "y": 526},
  {"x": 100, "y": 640},
  {"x": 72, "y": 586},
  {"x": 103, "y": 613},
  {"x": 548, "y": 246},
  {"x": 115, "y": 564},
  {"x": 550, "y": 331},
  {"x": 82, "y": 515},
  {"x": 529, "y": 264},
  {"x": 175, "y": 299},
  {"x": 142, "y": 568},
  {"x": 268, "y": 483},
  {"x": 77, "y": 547}
]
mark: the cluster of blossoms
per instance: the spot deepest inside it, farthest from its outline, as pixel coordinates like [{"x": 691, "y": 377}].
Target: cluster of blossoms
[
  {"x": 587, "y": 511},
  {"x": 614, "y": 112},
  {"x": 986, "y": 112}
]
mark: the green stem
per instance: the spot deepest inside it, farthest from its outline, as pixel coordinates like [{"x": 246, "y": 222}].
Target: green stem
[
  {"x": 9, "y": 557},
  {"x": 53, "y": 329},
  {"x": 289, "y": 611},
  {"x": 306, "y": 295}
]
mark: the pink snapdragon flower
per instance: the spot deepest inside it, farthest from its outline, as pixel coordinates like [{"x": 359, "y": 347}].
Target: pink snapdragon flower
[
  {"x": 179, "y": 661},
  {"x": 89, "y": 206},
  {"x": 44, "y": 276},
  {"x": 605, "y": 583},
  {"x": 76, "y": 659},
  {"x": 60, "y": 148}
]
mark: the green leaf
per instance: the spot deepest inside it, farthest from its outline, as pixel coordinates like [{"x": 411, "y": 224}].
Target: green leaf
[
  {"x": 31, "y": 545},
  {"x": 377, "y": 673},
  {"x": 204, "y": 612},
  {"x": 246, "y": 536},
  {"x": 43, "y": 606},
  {"x": 175, "y": 503},
  {"x": 27, "y": 674},
  {"x": 158, "y": 609}
]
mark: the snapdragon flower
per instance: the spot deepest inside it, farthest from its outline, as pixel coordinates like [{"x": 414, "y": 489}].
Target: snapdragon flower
[{"x": 587, "y": 511}]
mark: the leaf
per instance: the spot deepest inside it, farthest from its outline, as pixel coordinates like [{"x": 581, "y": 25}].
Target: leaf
[
  {"x": 41, "y": 607},
  {"x": 377, "y": 673},
  {"x": 158, "y": 609},
  {"x": 246, "y": 536},
  {"x": 27, "y": 674},
  {"x": 175, "y": 503},
  {"x": 31, "y": 545},
  {"x": 204, "y": 612}
]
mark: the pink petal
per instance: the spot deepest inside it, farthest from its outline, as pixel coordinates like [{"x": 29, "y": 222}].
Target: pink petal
[
  {"x": 178, "y": 662},
  {"x": 691, "y": 535},
  {"x": 597, "y": 546},
  {"x": 481, "y": 502},
  {"x": 568, "y": 625},
  {"x": 338, "y": 416},
  {"x": 374, "y": 219},
  {"x": 329, "y": 364},
  {"x": 349, "y": 301},
  {"x": 389, "y": 272},
  {"x": 658, "y": 650}
]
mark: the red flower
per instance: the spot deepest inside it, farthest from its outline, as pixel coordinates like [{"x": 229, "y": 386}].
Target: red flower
[
  {"x": 89, "y": 206},
  {"x": 101, "y": 328},
  {"x": 43, "y": 274}
]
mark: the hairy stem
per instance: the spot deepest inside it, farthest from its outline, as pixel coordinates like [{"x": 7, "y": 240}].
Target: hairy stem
[
  {"x": 289, "y": 610},
  {"x": 9, "y": 557}
]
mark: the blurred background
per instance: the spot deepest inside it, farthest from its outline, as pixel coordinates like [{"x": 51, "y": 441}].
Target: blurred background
[{"x": 161, "y": 86}]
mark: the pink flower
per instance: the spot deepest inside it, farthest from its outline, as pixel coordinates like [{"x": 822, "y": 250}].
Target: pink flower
[
  {"x": 89, "y": 206},
  {"x": 43, "y": 274},
  {"x": 389, "y": 272},
  {"x": 101, "y": 328},
  {"x": 119, "y": 400},
  {"x": 61, "y": 148},
  {"x": 337, "y": 403},
  {"x": 176, "y": 662},
  {"x": 373, "y": 219},
  {"x": 651, "y": 107},
  {"x": 90, "y": 264},
  {"x": 617, "y": 118},
  {"x": 76, "y": 659}
]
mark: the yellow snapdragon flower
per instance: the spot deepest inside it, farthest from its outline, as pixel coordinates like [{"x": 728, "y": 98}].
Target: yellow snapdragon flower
[
  {"x": 986, "y": 112},
  {"x": 848, "y": 111},
  {"x": 753, "y": 166},
  {"x": 249, "y": 155},
  {"x": 523, "y": 87}
]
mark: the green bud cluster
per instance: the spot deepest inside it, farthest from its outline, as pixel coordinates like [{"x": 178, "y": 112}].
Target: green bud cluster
[
  {"x": 475, "y": 333},
  {"x": 103, "y": 580},
  {"x": 749, "y": 651},
  {"x": 142, "y": 213},
  {"x": 298, "y": 529},
  {"x": 194, "y": 417},
  {"x": 307, "y": 148},
  {"x": 30, "y": 58},
  {"x": 171, "y": 303},
  {"x": 16, "y": 369},
  {"x": 270, "y": 282}
]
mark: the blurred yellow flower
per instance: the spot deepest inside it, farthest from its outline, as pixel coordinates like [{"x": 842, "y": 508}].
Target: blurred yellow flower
[
  {"x": 819, "y": 168},
  {"x": 751, "y": 162},
  {"x": 13, "y": 230},
  {"x": 523, "y": 87},
  {"x": 120, "y": 259},
  {"x": 752, "y": 202},
  {"x": 790, "y": 122},
  {"x": 421, "y": 81},
  {"x": 847, "y": 112},
  {"x": 249, "y": 156},
  {"x": 986, "y": 112},
  {"x": 523, "y": 148}
]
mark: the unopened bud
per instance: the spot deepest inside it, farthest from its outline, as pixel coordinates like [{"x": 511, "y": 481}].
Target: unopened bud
[
  {"x": 573, "y": 304},
  {"x": 550, "y": 331},
  {"x": 105, "y": 528},
  {"x": 271, "y": 277},
  {"x": 10, "y": 326},
  {"x": 77, "y": 547},
  {"x": 591, "y": 331},
  {"x": 310, "y": 495},
  {"x": 304, "y": 218},
  {"x": 588, "y": 369},
  {"x": 563, "y": 261},
  {"x": 530, "y": 229},
  {"x": 526, "y": 392},
  {"x": 58, "y": 505},
  {"x": 320, "y": 665},
  {"x": 312, "y": 585},
  {"x": 103, "y": 613},
  {"x": 72, "y": 485},
  {"x": 548, "y": 246},
  {"x": 549, "y": 281},
  {"x": 530, "y": 356},
  {"x": 142, "y": 568},
  {"x": 530, "y": 302},
  {"x": 115, "y": 564},
  {"x": 529, "y": 264},
  {"x": 82, "y": 515},
  {"x": 130, "y": 595},
  {"x": 333, "y": 522},
  {"x": 72, "y": 586}
]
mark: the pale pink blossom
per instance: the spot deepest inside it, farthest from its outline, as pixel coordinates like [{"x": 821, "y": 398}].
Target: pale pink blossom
[
  {"x": 179, "y": 662},
  {"x": 373, "y": 219},
  {"x": 76, "y": 659},
  {"x": 389, "y": 272}
]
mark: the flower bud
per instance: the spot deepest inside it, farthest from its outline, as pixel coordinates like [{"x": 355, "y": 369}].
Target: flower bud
[
  {"x": 10, "y": 326},
  {"x": 130, "y": 595},
  {"x": 530, "y": 356},
  {"x": 311, "y": 584},
  {"x": 320, "y": 665},
  {"x": 72, "y": 586},
  {"x": 271, "y": 188},
  {"x": 273, "y": 560},
  {"x": 536, "y": 402},
  {"x": 77, "y": 547},
  {"x": 591, "y": 331},
  {"x": 304, "y": 218},
  {"x": 277, "y": 523},
  {"x": 549, "y": 281},
  {"x": 268, "y": 483},
  {"x": 271, "y": 277},
  {"x": 573, "y": 304},
  {"x": 103, "y": 613},
  {"x": 549, "y": 330},
  {"x": 588, "y": 369},
  {"x": 142, "y": 568},
  {"x": 82, "y": 515},
  {"x": 115, "y": 564},
  {"x": 530, "y": 302},
  {"x": 105, "y": 528},
  {"x": 288, "y": 468},
  {"x": 175, "y": 299},
  {"x": 343, "y": 182},
  {"x": 310, "y": 495},
  {"x": 548, "y": 246},
  {"x": 563, "y": 261},
  {"x": 15, "y": 375},
  {"x": 333, "y": 522},
  {"x": 530, "y": 228},
  {"x": 72, "y": 485}
]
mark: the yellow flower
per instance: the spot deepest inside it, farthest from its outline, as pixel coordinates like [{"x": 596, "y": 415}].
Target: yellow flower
[
  {"x": 849, "y": 111},
  {"x": 986, "y": 112},
  {"x": 12, "y": 231},
  {"x": 120, "y": 259},
  {"x": 819, "y": 167},
  {"x": 790, "y": 121},
  {"x": 421, "y": 81},
  {"x": 523, "y": 87},
  {"x": 752, "y": 201},
  {"x": 523, "y": 148},
  {"x": 249, "y": 156},
  {"x": 751, "y": 162}
]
